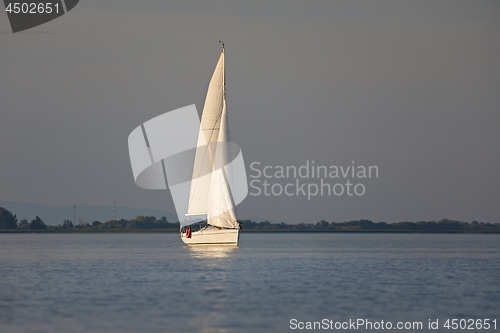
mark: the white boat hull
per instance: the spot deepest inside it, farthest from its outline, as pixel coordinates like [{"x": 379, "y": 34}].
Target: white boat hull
[{"x": 212, "y": 236}]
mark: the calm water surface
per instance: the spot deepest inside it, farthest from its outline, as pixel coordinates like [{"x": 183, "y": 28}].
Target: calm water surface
[{"x": 153, "y": 283}]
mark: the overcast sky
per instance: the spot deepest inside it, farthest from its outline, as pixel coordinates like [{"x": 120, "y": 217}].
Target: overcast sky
[{"x": 411, "y": 87}]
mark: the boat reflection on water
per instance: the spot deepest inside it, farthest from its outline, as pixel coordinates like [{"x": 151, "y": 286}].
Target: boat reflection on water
[
  {"x": 211, "y": 252},
  {"x": 213, "y": 268}
]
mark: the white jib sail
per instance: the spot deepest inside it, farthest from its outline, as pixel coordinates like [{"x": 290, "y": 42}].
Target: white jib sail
[{"x": 221, "y": 211}]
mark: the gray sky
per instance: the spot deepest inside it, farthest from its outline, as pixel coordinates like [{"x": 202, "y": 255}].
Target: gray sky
[{"x": 411, "y": 87}]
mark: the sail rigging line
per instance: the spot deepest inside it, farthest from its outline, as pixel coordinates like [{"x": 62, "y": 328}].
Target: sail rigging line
[
  {"x": 224, "y": 100},
  {"x": 230, "y": 164},
  {"x": 231, "y": 158}
]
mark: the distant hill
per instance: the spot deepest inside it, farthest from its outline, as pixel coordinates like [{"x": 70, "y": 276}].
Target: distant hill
[{"x": 56, "y": 215}]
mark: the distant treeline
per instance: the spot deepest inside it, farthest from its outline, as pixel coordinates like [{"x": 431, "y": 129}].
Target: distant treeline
[
  {"x": 443, "y": 225},
  {"x": 9, "y": 222}
]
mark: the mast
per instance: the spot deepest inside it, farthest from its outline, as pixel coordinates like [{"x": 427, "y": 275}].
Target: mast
[
  {"x": 223, "y": 72},
  {"x": 225, "y": 117}
]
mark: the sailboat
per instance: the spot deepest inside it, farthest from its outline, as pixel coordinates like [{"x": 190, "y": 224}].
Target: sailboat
[{"x": 210, "y": 192}]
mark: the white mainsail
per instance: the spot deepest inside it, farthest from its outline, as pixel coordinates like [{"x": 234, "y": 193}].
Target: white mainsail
[{"x": 210, "y": 193}]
